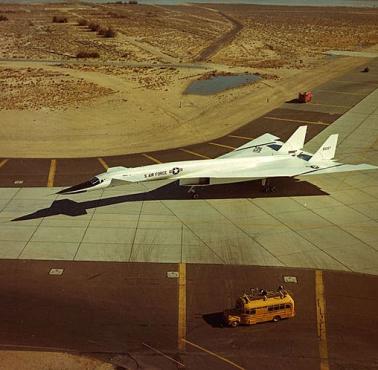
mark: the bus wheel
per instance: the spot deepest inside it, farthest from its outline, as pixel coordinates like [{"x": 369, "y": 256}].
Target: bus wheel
[
  {"x": 234, "y": 324},
  {"x": 276, "y": 318}
]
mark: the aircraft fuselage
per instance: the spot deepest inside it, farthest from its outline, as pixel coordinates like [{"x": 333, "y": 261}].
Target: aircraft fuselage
[{"x": 190, "y": 173}]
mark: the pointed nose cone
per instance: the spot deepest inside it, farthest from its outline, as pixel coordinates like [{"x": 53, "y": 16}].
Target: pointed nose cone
[{"x": 80, "y": 188}]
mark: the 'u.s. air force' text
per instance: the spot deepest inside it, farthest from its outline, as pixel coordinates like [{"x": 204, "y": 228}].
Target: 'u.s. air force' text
[{"x": 173, "y": 171}]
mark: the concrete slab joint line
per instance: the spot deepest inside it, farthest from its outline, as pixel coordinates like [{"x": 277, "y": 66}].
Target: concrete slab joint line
[
  {"x": 181, "y": 327},
  {"x": 321, "y": 319},
  {"x": 180, "y": 364},
  {"x": 214, "y": 354}
]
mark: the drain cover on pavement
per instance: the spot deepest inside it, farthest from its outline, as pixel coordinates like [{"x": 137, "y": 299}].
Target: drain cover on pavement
[
  {"x": 173, "y": 274},
  {"x": 56, "y": 272},
  {"x": 290, "y": 279}
]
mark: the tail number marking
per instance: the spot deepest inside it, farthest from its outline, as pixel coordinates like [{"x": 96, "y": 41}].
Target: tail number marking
[{"x": 257, "y": 149}]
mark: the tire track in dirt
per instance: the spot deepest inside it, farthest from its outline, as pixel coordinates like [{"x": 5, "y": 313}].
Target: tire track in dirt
[{"x": 221, "y": 42}]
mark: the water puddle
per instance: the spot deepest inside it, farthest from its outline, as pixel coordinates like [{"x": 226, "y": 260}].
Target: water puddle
[{"x": 217, "y": 84}]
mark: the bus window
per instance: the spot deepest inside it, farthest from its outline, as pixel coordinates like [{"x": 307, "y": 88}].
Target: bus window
[{"x": 287, "y": 306}]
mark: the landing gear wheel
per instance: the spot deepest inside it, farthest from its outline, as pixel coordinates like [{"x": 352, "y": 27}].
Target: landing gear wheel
[
  {"x": 267, "y": 187},
  {"x": 235, "y": 324},
  {"x": 276, "y": 318},
  {"x": 193, "y": 193}
]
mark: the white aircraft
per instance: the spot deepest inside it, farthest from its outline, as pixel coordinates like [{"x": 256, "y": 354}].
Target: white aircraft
[{"x": 260, "y": 159}]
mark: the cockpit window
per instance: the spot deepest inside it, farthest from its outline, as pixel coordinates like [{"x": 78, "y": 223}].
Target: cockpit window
[{"x": 94, "y": 181}]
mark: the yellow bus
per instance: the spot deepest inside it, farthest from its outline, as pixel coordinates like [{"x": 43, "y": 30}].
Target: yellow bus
[{"x": 259, "y": 306}]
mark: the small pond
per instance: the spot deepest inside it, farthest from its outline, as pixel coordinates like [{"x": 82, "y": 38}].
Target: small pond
[{"x": 218, "y": 84}]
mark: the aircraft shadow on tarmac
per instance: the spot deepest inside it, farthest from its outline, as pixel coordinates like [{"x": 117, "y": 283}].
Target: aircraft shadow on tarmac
[{"x": 284, "y": 187}]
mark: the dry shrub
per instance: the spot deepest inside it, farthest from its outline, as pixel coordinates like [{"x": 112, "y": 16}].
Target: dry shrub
[
  {"x": 87, "y": 54},
  {"x": 116, "y": 15},
  {"x": 3, "y": 18},
  {"x": 59, "y": 19},
  {"x": 94, "y": 27},
  {"x": 107, "y": 32},
  {"x": 82, "y": 22}
]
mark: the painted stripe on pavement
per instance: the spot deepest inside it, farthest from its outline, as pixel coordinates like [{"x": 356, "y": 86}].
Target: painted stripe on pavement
[
  {"x": 103, "y": 163},
  {"x": 321, "y": 320},
  {"x": 194, "y": 153},
  {"x": 151, "y": 158},
  {"x": 181, "y": 334},
  {"x": 52, "y": 171}
]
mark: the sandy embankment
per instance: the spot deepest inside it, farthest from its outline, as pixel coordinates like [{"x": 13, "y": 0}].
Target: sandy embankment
[{"x": 150, "y": 120}]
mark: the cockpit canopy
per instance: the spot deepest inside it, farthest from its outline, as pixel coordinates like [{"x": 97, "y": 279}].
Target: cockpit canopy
[{"x": 94, "y": 181}]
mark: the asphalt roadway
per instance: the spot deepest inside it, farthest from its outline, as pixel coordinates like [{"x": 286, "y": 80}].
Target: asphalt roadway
[{"x": 132, "y": 314}]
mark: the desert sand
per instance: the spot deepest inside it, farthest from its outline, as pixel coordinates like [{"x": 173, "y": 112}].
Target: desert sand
[
  {"x": 130, "y": 99},
  {"x": 35, "y": 360}
]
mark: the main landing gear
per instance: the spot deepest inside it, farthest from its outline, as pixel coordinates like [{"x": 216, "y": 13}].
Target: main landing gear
[
  {"x": 193, "y": 192},
  {"x": 267, "y": 187}
]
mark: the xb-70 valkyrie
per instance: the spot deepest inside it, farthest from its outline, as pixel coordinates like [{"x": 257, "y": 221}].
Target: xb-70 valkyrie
[{"x": 260, "y": 159}]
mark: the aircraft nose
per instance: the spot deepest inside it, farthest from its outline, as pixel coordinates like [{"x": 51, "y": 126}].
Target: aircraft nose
[
  {"x": 80, "y": 188},
  {"x": 76, "y": 188}
]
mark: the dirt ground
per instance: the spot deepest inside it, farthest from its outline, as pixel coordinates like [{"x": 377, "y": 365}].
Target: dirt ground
[
  {"x": 36, "y": 88},
  {"x": 281, "y": 36},
  {"x": 27, "y": 360},
  {"x": 277, "y": 35},
  {"x": 131, "y": 98}
]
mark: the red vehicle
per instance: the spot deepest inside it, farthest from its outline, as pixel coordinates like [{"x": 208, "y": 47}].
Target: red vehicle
[{"x": 305, "y": 97}]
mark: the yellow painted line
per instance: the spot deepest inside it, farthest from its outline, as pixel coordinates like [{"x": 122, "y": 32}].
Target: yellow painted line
[
  {"x": 151, "y": 158},
  {"x": 50, "y": 179},
  {"x": 2, "y": 163},
  {"x": 342, "y": 92},
  {"x": 223, "y": 146},
  {"x": 331, "y": 105},
  {"x": 164, "y": 355},
  {"x": 214, "y": 354},
  {"x": 194, "y": 153},
  {"x": 181, "y": 324},
  {"x": 103, "y": 163},
  {"x": 297, "y": 120},
  {"x": 241, "y": 137},
  {"x": 321, "y": 319}
]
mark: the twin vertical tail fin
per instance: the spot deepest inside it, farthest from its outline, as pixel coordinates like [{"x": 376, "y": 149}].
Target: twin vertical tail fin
[
  {"x": 295, "y": 142},
  {"x": 326, "y": 151}
]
